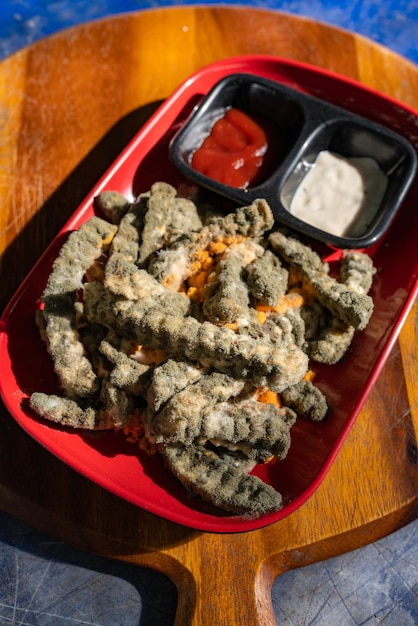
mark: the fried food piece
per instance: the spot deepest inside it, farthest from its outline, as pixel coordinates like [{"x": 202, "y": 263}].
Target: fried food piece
[
  {"x": 127, "y": 241},
  {"x": 167, "y": 217},
  {"x": 353, "y": 308},
  {"x": 315, "y": 318},
  {"x": 284, "y": 328},
  {"x": 66, "y": 411},
  {"x": 297, "y": 325},
  {"x": 306, "y": 400},
  {"x": 260, "y": 362},
  {"x": 222, "y": 480},
  {"x": 210, "y": 410},
  {"x": 113, "y": 204},
  {"x": 112, "y": 411},
  {"x": 226, "y": 299},
  {"x": 205, "y": 327},
  {"x": 81, "y": 249},
  {"x": 182, "y": 418},
  {"x": 153, "y": 221},
  {"x": 127, "y": 373},
  {"x": 333, "y": 341},
  {"x": 127, "y": 280},
  {"x": 267, "y": 279},
  {"x": 357, "y": 271},
  {"x": 169, "y": 379},
  {"x": 259, "y": 430}
]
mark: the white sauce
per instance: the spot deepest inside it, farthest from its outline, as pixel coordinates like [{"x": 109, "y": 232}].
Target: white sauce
[{"x": 339, "y": 195}]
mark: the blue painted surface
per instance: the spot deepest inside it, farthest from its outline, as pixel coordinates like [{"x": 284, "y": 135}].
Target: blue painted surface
[
  {"x": 44, "y": 582},
  {"x": 394, "y": 23}
]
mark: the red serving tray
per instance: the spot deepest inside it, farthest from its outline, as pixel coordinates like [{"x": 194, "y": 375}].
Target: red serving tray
[{"x": 117, "y": 465}]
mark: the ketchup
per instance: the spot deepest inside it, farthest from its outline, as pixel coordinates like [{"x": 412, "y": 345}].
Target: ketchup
[{"x": 234, "y": 151}]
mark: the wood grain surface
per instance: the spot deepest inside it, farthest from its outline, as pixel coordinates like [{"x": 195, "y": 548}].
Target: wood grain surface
[{"x": 68, "y": 106}]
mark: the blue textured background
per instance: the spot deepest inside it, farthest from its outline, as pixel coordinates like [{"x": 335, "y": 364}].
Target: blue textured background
[
  {"x": 393, "y": 23},
  {"x": 44, "y": 582}
]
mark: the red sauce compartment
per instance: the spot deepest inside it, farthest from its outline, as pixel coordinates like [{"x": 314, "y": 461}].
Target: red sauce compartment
[{"x": 278, "y": 115}]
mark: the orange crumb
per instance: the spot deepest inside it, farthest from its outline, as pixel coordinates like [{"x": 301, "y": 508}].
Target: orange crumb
[
  {"x": 199, "y": 279},
  {"x": 292, "y": 299},
  {"x": 263, "y": 308},
  {"x": 201, "y": 259},
  {"x": 261, "y": 316},
  {"x": 229, "y": 241},
  {"x": 217, "y": 247},
  {"x": 266, "y": 396},
  {"x": 193, "y": 293},
  {"x": 309, "y": 376},
  {"x": 233, "y": 326},
  {"x": 108, "y": 240},
  {"x": 271, "y": 460},
  {"x": 306, "y": 293}
]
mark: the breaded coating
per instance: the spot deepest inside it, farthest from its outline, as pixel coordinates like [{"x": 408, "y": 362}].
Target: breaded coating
[
  {"x": 113, "y": 410},
  {"x": 306, "y": 400},
  {"x": 91, "y": 336},
  {"x": 127, "y": 373},
  {"x": 332, "y": 343},
  {"x": 250, "y": 221},
  {"x": 168, "y": 379},
  {"x": 66, "y": 411},
  {"x": 182, "y": 418},
  {"x": 81, "y": 249},
  {"x": 357, "y": 271},
  {"x": 113, "y": 204},
  {"x": 297, "y": 325},
  {"x": 157, "y": 217},
  {"x": 127, "y": 280},
  {"x": 267, "y": 279},
  {"x": 166, "y": 218},
  {"x": 226, "y": 299},
  {"x": 127, "y": 241},
  {"x": 353, "y": 308},
  {"x": 73, "y": 368},
  {"x": 210, "y": 409},
  {"x": 259, "y": 430},
  {"x": 315, "y": 318},
  {"x": 221, "y": 480},
  {"x": 296, "y": 253}
]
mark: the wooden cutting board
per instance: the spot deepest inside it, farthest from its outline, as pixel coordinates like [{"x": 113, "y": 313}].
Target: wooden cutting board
[{"x": 69, "y": 104}]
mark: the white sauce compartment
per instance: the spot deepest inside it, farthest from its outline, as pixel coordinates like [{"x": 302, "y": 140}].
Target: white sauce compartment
[{"x": 338, "y": 195}]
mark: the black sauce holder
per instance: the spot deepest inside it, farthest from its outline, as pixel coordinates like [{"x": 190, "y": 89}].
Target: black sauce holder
[{"x": 309, "y": 126}]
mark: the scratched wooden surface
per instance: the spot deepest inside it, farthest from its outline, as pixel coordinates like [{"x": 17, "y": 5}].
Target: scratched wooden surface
[{"x": 69, "y": 105}]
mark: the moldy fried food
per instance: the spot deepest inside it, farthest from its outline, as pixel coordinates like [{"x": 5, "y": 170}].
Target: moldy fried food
[
  {"x": 194, "y": 333},
  {"x": 58, "y": 318},
  {"x": 349, "y": 305}
]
